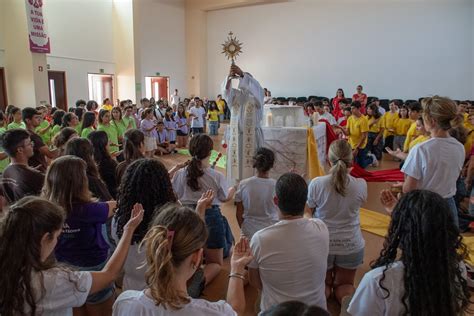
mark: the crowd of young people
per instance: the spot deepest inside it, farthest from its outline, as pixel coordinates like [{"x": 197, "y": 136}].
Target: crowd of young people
[{"x": 96, "y": 211}]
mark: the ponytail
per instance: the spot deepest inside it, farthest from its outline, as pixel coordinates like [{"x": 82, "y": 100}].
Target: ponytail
[
  {"x": 176, "y": 233},
  {"x": 200, "y": 148},
  {"x": 340, "y": 156},
  {"x": 160, "y": 274}
]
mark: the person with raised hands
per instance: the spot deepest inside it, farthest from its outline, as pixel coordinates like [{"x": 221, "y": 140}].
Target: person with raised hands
[
  {"x": 174, "y": 248},
  {"x": 32, "y": 282}
]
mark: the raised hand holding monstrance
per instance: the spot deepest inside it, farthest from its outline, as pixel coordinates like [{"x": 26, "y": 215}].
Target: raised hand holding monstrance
[{"x": 246, "y": 106}]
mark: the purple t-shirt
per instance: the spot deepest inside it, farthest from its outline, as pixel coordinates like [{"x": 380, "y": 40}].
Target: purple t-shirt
[
  {"x": 145, "y": 125},
  {"x": 182, "y": 121},
  {"x": 82, "y": 243}
]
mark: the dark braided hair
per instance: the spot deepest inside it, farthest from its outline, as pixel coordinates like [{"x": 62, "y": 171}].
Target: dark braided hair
[
  {"x": 431, "y": 247},
  {"x": 145, "y": 181},
  {"x": 200, "y": 148}
]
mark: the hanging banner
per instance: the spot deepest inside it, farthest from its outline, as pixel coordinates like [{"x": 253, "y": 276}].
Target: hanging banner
[{"x": 37, "y": 33}]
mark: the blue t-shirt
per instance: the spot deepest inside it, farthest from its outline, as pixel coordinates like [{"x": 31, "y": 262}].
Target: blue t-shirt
[{"x": 82, "y": 243}]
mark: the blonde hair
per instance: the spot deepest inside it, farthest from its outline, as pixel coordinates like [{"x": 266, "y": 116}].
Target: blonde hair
[
  {"x": 340, "y": 156},
  {"x": 442, "y": 110},
  {"x": 176, "y": 233}
]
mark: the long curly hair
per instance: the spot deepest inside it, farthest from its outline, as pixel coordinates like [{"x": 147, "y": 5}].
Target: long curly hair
[
  {"x": 200, "y": 148},
  {"x": 145, "y": 181},
  {"x": 20, "y": 253},
  {"x": 431, "y": 248}
]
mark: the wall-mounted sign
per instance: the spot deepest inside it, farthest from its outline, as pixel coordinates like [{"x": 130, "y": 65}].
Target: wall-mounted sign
[
  {"x": 138, "y": 87},
  {"x": 157, "y": 74},
  {"x": 37, "y": 33},
  {"x": 101, "y": 70},
  {"x": 40, "y": 68}
]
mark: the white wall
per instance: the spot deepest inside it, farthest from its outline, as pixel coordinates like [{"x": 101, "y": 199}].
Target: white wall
[
  {"x": 2, "y": 29},
  {"x": 397, "y": 48},
  {"x": 81, "y": 35},
  {"x": 159, "y": 29}
]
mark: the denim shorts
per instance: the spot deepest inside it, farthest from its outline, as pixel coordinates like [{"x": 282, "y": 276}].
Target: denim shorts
[
  {"x": 350, "y": 261},
  {"x": 102, "y": 295},
  {"x": 218, "y": 228}
]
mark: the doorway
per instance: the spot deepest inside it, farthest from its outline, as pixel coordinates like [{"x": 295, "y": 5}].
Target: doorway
[
  {"x": 101, "y": 87},
  {"x": 3, "y": 90},
  {"x": 157, "y": 87},
  {"x": 57, "y": 89}
]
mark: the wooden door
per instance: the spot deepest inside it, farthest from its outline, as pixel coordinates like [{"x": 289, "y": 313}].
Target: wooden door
[
  {"x": 160, "y": 88},
  {"x": 3, "y": 90},
  {"x": 101, "y": 87},
  {"x": 57, "y": 89}
]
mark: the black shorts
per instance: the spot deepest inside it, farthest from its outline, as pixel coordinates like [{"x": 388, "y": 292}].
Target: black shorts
[{"x": 180, "y": 133}]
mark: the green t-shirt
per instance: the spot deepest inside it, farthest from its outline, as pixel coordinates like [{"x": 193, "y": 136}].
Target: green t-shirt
[
  {"x": 112, "y": 134},
  {"x": 55, "y": 131},
  {"x": 120, "y": 126},
  {"x": 3, "y": 163},
  {"x": 86, "y": 131},
  {"x": 129, "y": 122},
  {"x": 46, "y": 137},
  {"x": 13, "y": 125},
  {"x": 78, "y": 128}
]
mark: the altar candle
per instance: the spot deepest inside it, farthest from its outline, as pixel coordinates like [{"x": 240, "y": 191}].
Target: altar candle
[{"x": 269, "y": 119}]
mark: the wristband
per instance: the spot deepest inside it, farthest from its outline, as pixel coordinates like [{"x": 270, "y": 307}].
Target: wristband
[{"x": 237, "y": 275}]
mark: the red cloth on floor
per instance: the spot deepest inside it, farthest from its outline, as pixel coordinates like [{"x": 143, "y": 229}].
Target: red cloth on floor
[{"x": 391, "y": 175}]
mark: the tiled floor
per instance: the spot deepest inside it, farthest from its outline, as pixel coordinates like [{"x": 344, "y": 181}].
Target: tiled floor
[{"x": 217, "y": 289}]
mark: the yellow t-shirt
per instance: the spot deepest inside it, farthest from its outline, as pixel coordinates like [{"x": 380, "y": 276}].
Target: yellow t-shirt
[
  {"x": 418, "y": 140},
  {"x": 357, "y": 126},
  {"x": 389, "y": 119},
  {"x": 107, "y": 107},
  {"x": 469, "y": 142},
  {"x": 411, "y": 135},
  {"x": 466, "y": 118},
  {"x": 468, "y": 126},
  {"x": 221, "y": 106},
  {"x": 402, "y": 125},
  {"x": 213, "y": 116},
  {"x": 375, "y": 128}
]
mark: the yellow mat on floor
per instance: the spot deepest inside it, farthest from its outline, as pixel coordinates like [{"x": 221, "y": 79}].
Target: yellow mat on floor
[{"x": 377, "y": 224}]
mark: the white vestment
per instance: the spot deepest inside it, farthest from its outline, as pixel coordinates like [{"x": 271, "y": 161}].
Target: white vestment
[{"x": 245, "y": 131}]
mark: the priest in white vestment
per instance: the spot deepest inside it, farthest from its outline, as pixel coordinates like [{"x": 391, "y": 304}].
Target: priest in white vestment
[{"x": 245, "y": 131}]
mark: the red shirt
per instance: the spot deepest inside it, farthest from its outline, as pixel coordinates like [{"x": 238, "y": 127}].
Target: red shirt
[
  {"x": 362, "y": 99},
  {"x": 337, "y": 111}
]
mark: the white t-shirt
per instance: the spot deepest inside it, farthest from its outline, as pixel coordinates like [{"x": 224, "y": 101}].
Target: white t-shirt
[
  {"x": 369, "y": 298},
  {"x": 197, "y": 121},
  {"x": 339, "y": 213},
  {"x": 137, "y": 303},
  {"x": 256, "y": 195},
  {"x": 210, "y": 180},
  {"x": 381, "y": 110},
  {"x": 291, "y": 257},
  {"x": 436, "y": 164},
  {"x": 133, "y": 276},
  {"x": 64, "y": 290},
  {"x": 328, "y": 116},
  {"x": 175, "y": 99}
]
